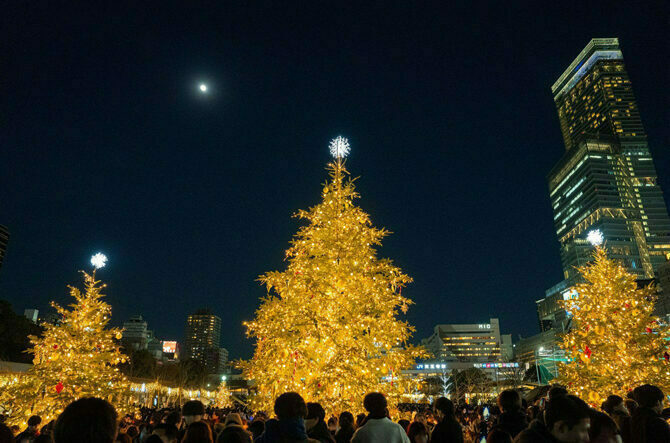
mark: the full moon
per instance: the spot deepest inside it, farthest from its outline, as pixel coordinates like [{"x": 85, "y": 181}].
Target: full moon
[{"x": 203, "y": 87}]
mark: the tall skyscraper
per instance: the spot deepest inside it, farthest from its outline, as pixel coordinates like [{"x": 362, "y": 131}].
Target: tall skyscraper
[
  {"x": 202, "y": 337},
  {"x": 4, "y": 239},
  {"x": 135, "y": 334},
  {"x": 606, "y": 179}
]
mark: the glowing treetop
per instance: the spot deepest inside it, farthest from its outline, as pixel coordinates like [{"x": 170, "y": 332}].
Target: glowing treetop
[
  {"x": 99, "y": 260},
  {"x": 339, "y": 147},
  {"x": 595, "y": 237}
]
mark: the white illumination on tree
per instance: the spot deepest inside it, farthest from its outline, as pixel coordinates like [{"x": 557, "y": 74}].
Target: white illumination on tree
[
  {"x": 595, "y": 237},
  {"x": 339, "y": 147},
  {"x": 203, "y": 87},
  {"x": 99, "y": 260}
]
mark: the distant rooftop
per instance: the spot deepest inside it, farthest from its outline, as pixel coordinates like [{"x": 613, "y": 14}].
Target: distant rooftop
[{"x": 597, "y": 49}]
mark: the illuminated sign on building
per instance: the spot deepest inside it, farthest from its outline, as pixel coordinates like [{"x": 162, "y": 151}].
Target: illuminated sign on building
[
  {"x": 169, "y": 347},
  {"x": 495, "y": 365}
]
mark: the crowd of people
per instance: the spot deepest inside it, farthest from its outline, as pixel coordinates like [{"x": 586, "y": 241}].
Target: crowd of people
[{"x": 557, "y": 417}]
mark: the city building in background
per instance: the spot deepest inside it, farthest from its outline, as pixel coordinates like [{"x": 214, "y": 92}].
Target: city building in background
[
  {"x": 458, "y": 347},
  {"x": 52, "y": 318},
  {"x": 202, "y": 338},
  {"x": 662, "y": 308},
  {"x": 4, "y": 239},
  {"x": 223, "y": 360},
  {"x": 550, "y": 312},
  {"x": 138, "y": 337},
  {"x": 606, "y": 179},
  {"x": 542, "y": 352},
  {"x": 170, "y": 350},
  {"x": 31, "y": 314},
  {"x": 135, "y": 336},
  {"x": 469, "y": 343},
  {"x": 154, "y": 346}
]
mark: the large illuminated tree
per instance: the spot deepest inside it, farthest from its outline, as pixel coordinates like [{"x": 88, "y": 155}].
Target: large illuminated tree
[
  {"x": 616, "y": 343},
  {"x": 72, "y": 359},
  {"x": 329, "y": 327}
]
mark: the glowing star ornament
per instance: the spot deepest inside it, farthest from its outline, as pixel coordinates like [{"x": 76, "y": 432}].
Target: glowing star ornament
[
  {"x": 202, "y": 87},
  {"x": 99, "y": 260},
  {"x": 595, "y": 237},
  {"x": 339, "y": 147}
]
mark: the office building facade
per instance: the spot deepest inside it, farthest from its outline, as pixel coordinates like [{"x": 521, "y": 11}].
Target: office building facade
[
  {"x": 135, "y": 334},
  {"x": 31, "y": 314},
  {"x": 606, "y": 179},
  {"x": 202, "y": 338},
  {"x": 466, "y": 343}
]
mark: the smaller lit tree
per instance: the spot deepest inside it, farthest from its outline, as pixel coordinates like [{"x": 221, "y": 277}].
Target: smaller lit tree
[
  {"x": 224, "y": 398},
  {"x": 74, "y": 359},
  {"x": 616, "y": 343},
  {"x": 469, "y": 384}
]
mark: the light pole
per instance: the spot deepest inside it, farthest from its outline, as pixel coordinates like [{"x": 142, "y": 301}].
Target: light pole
[{"x": 537, "y": 366}]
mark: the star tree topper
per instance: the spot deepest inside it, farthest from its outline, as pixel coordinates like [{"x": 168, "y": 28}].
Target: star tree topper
[{"x": 339, "y": 147}]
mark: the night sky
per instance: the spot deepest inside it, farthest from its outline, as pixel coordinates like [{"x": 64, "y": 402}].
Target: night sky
[{"x": 107, "y": 145}]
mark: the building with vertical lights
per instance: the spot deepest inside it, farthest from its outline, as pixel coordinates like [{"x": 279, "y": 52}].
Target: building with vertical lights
[
  {"x": 4, "y": 239},
  {"x": 606, "y": 178},
  {"x": 202, "y": 337}
]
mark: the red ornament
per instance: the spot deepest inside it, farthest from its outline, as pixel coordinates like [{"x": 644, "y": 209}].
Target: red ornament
[
  {"x": 648, "y": 330},
  {"x": 627, "y": 305},
  {"x": 588, "y": 351},
  {"x": 59, "y": 387},
  {"x": 318, "y": 384},
  {"x": 666, "y": 356},
  {"x": 55, "y": 346},
  {"x": 588, "y": 327}
]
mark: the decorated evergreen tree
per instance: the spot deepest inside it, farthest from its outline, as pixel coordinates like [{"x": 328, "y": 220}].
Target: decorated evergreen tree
[
  {"x": 616, "y": 343},
  {"x": 329, "y": 327},
  {"x": 224, "y": 398},
  {"x": 73, "y": 359}
]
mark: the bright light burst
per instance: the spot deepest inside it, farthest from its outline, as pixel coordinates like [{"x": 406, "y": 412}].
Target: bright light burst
[
  {"x": 595, "y": 237},
  {"x": 203, "y": 87},
  {"x": 99, "y": 260},
  {"x": 339, "y": 147}
]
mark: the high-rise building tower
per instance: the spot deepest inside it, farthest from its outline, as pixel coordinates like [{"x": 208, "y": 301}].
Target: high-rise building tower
[
  {"x": 606, "y": 179},
  {"x": 202, "y": 337},
  {"x": 135, "y": 334},
  {"x": 4, "y": 239}
]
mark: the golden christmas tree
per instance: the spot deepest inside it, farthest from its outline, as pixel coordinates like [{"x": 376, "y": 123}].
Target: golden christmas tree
[
  {"x": 74, "y": 359},
  {"x": 616, "y": 343},
  {"x": 224, "y": 398},
  {"x": 329, "y": 327}
]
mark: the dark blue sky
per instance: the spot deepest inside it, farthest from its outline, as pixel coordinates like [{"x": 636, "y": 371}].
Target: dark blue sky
[{"x": 107, "y": 146}]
